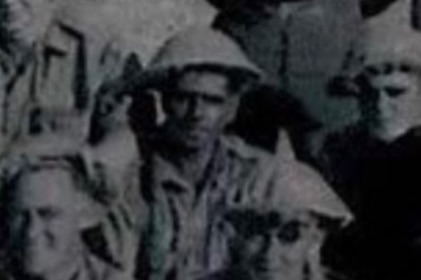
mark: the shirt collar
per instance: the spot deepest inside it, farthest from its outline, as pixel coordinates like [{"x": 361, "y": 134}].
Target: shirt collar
[
  {"x": 58, "y": 36},
  {"x": 166, "y": 175}
]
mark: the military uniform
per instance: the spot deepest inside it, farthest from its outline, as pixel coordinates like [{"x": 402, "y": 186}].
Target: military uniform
[
  {"x": 376, "y": 176},
  {"x": 182, "y": 237},
  {"x": 89, "y": 268},
  {"x": 295, "y": 191},
  {"x": 63, "y": 71}
]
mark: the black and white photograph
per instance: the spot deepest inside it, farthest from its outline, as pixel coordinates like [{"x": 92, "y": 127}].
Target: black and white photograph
[{"x": 210, "y": 139}]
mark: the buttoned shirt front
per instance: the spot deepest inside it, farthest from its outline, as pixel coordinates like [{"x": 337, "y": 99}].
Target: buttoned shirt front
[
  {"x": 63, "y": 70},
  {"x": 182, "y": 237}
]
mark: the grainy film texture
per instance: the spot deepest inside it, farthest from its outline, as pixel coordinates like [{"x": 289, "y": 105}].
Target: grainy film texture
[{"x": 210, "y": 139}]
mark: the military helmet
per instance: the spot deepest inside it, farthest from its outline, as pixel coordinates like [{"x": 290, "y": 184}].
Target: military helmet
[
  {"x": 199, "y": 47},
  {"x": 297, "y": 189},
  {"x": 386, "y": 42}
]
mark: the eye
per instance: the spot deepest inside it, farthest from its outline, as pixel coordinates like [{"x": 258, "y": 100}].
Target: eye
[
  {"x": 177, "y": 95},
  {"x": 215, "y": 100},
  {"x": 290, "y": 232},
  {"x": 48, "y": 213},
  {"x": 395, "y": 91}
]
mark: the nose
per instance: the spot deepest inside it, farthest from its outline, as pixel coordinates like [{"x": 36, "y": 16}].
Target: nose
[
  {"x": 382, "y": 103},
  {"x": 196, "y": 108},
  {"x": 33, "y": 226},
  {"x": 270, "y": 247}
]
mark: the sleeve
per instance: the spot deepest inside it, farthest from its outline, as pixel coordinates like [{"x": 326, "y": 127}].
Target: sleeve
[{"x": 125, "y": 215}]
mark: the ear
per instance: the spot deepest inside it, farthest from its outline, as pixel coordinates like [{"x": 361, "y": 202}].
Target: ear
[
  {"x": 143, "y": 112},
  {"x": 160, "y": 107},
  {"x": 232, "y": 108},
  {"x": 315, "y": 236},
  {"x": 126, "y": 103}
]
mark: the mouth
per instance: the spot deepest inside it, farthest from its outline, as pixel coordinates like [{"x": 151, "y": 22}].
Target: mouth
[
  {"x": 265, "y": 267},
  {"x": 195, "y": 132}
]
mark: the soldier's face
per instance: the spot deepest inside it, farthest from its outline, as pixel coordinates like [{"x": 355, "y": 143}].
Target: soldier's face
[
  {"x": 43, "y": 222},
  {"x": 390, "y": 105},
  {"x": 111, "y": 111},
  {"x": 199, "y": 108},
  {"x": 29, "y": 19},
  {"x": 279, "y": 252}
]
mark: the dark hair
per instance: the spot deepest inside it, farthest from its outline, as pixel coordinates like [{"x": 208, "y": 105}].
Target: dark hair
[
  {"x": 266, "y": 109},
  {"x": 142, "y": 112}
]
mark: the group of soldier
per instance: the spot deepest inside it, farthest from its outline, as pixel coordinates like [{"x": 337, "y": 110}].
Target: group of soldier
[{"x": 210, "y": 162}]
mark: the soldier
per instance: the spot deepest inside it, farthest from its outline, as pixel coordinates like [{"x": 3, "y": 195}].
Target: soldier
[
  {"x": 193, "y": 170},
  {"x": 279, "y": 233},
  {"x": 45, "y": 207},
  {"x": 67, "y": 60},
  {"x": 372, "y": 163},
  {"x": 200, "y": 75},
  {"x": 113, "y": 149}
]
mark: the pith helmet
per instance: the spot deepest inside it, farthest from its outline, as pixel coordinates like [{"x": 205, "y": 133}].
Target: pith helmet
[
  {"x": 296, "y": 189},
  {"x": 381, "y": 46},
  {"x": 200, "y": 47}
]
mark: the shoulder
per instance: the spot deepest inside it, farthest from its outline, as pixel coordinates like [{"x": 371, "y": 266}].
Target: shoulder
[
  {"x": 344, "y": 139},
  {"x": 98, "y": 269},
  {"x": 239, "y": 149},
  {"x": 410, "y": 143},
  {"x": 248, "y": 161}
]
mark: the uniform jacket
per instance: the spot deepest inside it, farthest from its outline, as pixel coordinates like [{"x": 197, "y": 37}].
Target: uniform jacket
[
  {"x": 182, "y": 238},
  {"x": 62, "y": 70},
  {"x": 89, "y": 268}
]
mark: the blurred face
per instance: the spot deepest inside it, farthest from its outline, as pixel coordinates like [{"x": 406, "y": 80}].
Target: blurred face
[
  {"x": 391, "y": 104},
  {"x": 198, "y": 109},
  {"x": 278, "y": 252},
  {"x": 43, "y": 222},
  {"x": 111, "y": 111},
  {"x": 29, "y": 19}
]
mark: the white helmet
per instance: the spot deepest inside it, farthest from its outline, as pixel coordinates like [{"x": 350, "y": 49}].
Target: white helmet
[{"x": 200, "y": 46}]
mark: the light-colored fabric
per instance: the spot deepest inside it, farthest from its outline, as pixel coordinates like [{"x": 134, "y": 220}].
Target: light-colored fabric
[
  {"x": 116, "y": 164},
  {"x": 65, "y": 68},
  {"x": 201, "y": 46},
  {"x": 184, "y": 235},
  {"x": 89, "y": 268},
  {"x": 387, "y": 38}
]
